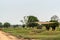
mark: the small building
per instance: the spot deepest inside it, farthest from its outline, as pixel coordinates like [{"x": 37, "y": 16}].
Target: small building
[{"x": 44, "y": 22}]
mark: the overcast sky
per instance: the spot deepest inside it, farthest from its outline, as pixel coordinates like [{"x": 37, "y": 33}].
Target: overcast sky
[{"x": 13, "y": 11}]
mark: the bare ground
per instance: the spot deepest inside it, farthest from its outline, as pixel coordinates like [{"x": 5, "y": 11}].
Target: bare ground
[{"x": 5, "y": 36}]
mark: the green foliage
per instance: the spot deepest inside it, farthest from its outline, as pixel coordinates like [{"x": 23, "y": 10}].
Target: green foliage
[
  {"x": 31, "y": 20},
  {"x": 32, "y": 25},
  {"x": 54, "y": 25},
  {"x": 6, "y": 24},
  {"x": 1, "y": 25},
  {"x": 15, "y": 26},
  {"x": 31, "y": 34}
]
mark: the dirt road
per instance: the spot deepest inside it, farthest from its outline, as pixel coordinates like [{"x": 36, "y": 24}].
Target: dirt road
[{"x": 5, "y": 36}]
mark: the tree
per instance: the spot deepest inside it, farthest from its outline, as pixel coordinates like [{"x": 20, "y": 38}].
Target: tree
[
  {"x": 32, "y": 25},
  {"x": 6, "y": 24},
  {"x": 31, "y": 21},
  {"x": 24, "y": 21},
  {"x": 54, "y": 17},
  {"x": 15, "y": 26},
  {"x": 54, "y": 25},
  {"x": 55, "y": 20},
  {"x": 23, "y": 26},
  {"x": 1, "y": 25}
]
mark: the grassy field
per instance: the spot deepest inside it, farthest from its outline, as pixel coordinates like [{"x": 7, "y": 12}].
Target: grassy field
[{"x": 33, "y": 33}]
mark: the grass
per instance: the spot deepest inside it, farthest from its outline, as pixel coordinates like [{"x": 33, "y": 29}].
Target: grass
[{"x": 33, "y": 33}]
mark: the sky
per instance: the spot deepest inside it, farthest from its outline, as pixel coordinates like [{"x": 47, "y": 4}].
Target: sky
[{"x": 13, "y": 11}]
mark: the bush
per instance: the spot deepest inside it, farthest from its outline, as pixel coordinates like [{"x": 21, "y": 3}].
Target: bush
[
  {"x": 23, "y": 26},
  {"x": 39, "y": 27},
  {"x": 47, "y": 26},
  {"x": 15, "y": 26},
  {"x": 32, "y": 25}
]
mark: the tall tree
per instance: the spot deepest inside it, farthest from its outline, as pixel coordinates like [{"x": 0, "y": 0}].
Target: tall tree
[
  {"x": 31, "y": 21},
  {"x": 24, "y": 21},
  {"x": 55, "y": 20},
  {"x": 6, "y": 24},
  {"x": 55, "y": 17}
]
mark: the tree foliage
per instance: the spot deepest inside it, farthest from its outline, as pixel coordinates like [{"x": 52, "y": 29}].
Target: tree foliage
[
  {"x": 6, "y": 24},
  {"x": 1, "y": 25},
  {"x": 15, "y": 26},
  {"x": 31, "y": 21},
  {"x": 32, "y": 25},
  {"x": 55, "y": 17},
  {"x": 54, "y": 25}
]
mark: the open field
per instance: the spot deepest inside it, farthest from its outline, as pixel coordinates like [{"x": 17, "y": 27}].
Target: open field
[{"x": 33, "y": 33}]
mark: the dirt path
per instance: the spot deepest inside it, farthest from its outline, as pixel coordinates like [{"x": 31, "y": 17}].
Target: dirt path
[{"x": 4, "y": 36}]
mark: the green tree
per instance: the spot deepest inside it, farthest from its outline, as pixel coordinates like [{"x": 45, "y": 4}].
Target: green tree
[
  {"x": 31, "y": 21},
  {"x": 15, "y": 26},
  {"x": 54, "y": 25},
  {"x": 1, "y": 25},
  {"x": 6, "y": 24},
  {"x": 55, "y": 17}
]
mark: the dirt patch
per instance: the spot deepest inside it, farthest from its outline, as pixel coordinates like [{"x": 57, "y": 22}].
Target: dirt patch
[{"x": 6, "y": 36}]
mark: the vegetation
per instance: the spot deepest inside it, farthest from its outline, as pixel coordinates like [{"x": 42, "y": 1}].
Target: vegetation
[
  {"x": 38, "y": 32},
  {"x": 55, "y": 17},
  {"x": 6, "y": 24},
  {"x": 24, "y": 21},
  {"x": 31, "y": 21},
  {"x": 1, "y": 25},
  {"x": 33, "y": 33},
  {"x": 55, "y": 20},
  {"x": 54, "y": 24},
  {"x": 15, "y": 26}
]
